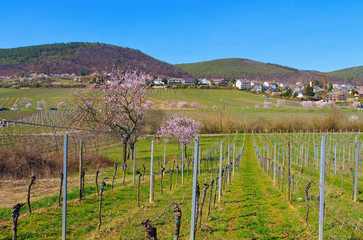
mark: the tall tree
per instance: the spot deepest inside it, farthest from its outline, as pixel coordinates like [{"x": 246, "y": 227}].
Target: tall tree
[{"x": 116, "y": 104}]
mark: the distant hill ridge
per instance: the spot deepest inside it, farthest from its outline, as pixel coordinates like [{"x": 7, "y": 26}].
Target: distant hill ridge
[
  {"x": 85, "y": 58},
  {"x": 81, "y": 58},
  {"x": 245, "y": 68}
]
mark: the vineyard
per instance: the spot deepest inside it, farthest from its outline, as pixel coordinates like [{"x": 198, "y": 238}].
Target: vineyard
[
  {"x": 244, "y": 189},
  {"x": 253, "y": 173}
]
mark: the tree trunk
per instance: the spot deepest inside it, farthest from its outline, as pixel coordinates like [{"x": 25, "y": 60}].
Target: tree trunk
[
  {"x": 28, "y": 196},
  {"x": 60, "y": 189},
  {"x": 177, "y": 216},
  {"x": 103, "y": 184},
  {"x": 202, "y": 204},
  {"x": 15, "y": 215},
  {"x": 151, "y": 232},
  {"x": 124, "y": 157},
  {"x": 97, "y": 172}
]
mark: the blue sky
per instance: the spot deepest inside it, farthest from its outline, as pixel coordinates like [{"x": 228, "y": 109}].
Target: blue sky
[{"x": 312, "y": 35}]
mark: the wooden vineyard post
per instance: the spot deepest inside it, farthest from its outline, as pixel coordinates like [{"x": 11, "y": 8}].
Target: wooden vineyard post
[
  {"x": 60, "y": 189},
  {"x": 307, "y": 187}
]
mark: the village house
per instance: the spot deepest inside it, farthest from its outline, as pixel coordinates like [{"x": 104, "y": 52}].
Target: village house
[{"x": 337, "y": 96}]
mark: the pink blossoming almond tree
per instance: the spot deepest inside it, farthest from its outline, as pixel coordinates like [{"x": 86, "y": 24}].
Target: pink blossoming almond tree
[
  {"x": 182, "y": 129},
  {"x": 118, "y": 104}
]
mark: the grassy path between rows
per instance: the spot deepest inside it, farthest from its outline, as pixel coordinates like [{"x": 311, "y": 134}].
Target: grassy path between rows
[{"x": 253, "y": 208}]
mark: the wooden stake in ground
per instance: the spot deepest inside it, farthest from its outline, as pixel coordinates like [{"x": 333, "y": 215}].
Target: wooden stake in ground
[
  {"x": 60, "y": 189},
  {"x": 196, "y": 208},
  {"x": 114, "y": 174},
  {"x": 28, "y": 196},
  {"x": 210, "y": 195},
  {"x": 15, "y": 215},
  {"x": 161, "y": 179},
  {"x": 143, "y": 174},
  {"x": 103, "y": 184},
  {"x": 177, "y": 216},
  {"x": 177, "y": 174},
  {"x": 151, "y": 232},
  {"x": 125, "y": 169},
  {"x": 97, "y": 172},
  {"x": 307, "y": 187},
  {"x": 83, "y": 174},
  {"x": 138, "y": 187},
  {"x": 202, "y": 204}
]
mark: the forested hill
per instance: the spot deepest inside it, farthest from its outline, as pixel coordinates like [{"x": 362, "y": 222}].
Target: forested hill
[
  {"x": 81, "y": 58},
  {"x": 244, "y": 68}
]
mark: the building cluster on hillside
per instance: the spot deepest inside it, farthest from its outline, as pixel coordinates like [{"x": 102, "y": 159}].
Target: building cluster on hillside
[{"x": 337, "y": 92}]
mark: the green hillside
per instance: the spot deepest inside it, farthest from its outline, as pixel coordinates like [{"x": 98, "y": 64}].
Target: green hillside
[
  {"x": 348, "y": 73},
  {"x": 237, "y": 67},
  {"x": 36, "y": 53},
  {"x": 81, "y": 57}
]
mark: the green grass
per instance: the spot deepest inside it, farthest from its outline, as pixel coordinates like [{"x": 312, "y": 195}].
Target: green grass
[{"x": 250, "y": 207}]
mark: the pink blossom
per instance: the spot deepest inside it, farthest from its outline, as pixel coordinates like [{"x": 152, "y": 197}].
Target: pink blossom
[
  {"x": 123, "y": 106},
  {"x": 28, "y": 105},
  {"x": 267, "y": 104},
  {"x": 182, "y": 129},
  {"x": 215, "y": 107},
  {"x": 356, "y": 105},
  {"x": 257, "y": 106},
  {"x": 182, "y": 105},
  {"x": 320, "y": 105},
  {"x": 194, "y": 104},
  {"x": 172, "y": 105},
  {"x": 307, "y": 104},
  {"x": 149, "y": 103},
  {"x": 62, "y": 104}
]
